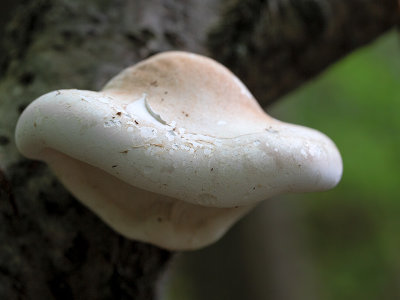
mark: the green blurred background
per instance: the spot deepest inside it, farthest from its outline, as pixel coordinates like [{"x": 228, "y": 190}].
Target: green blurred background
[{"x": 341, "y": 244}]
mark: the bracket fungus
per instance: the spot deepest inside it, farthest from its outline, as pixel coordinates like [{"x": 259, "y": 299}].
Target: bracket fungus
[{"x": 173, "y": 150}]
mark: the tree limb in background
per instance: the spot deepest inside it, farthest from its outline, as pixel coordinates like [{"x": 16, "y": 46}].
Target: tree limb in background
[{"x": 276, "y": 45}]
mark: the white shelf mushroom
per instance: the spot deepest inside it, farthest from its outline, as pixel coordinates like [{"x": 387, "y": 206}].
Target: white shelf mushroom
[{"x": 173, "y": 150}]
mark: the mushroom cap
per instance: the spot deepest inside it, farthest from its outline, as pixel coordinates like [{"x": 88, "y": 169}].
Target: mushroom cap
[{"x": 179, "y": 139}]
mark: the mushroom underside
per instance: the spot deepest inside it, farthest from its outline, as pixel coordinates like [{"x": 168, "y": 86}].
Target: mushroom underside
[{"x": 142, "y": 215}]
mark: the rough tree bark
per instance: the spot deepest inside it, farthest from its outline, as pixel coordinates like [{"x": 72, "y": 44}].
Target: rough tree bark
[{"x": 51, "y": 247}]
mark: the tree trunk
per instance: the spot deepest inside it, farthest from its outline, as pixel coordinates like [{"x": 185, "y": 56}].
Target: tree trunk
[{"x": 51, "y": 247}]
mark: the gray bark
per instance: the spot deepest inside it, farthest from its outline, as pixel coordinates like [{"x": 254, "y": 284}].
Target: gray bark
[
  {"x": 51, "y": 247},
  {"x": 276, "y": 45}
]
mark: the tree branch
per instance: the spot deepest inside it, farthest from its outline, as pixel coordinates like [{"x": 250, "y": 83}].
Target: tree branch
[{"x": 276, "y": 45}]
